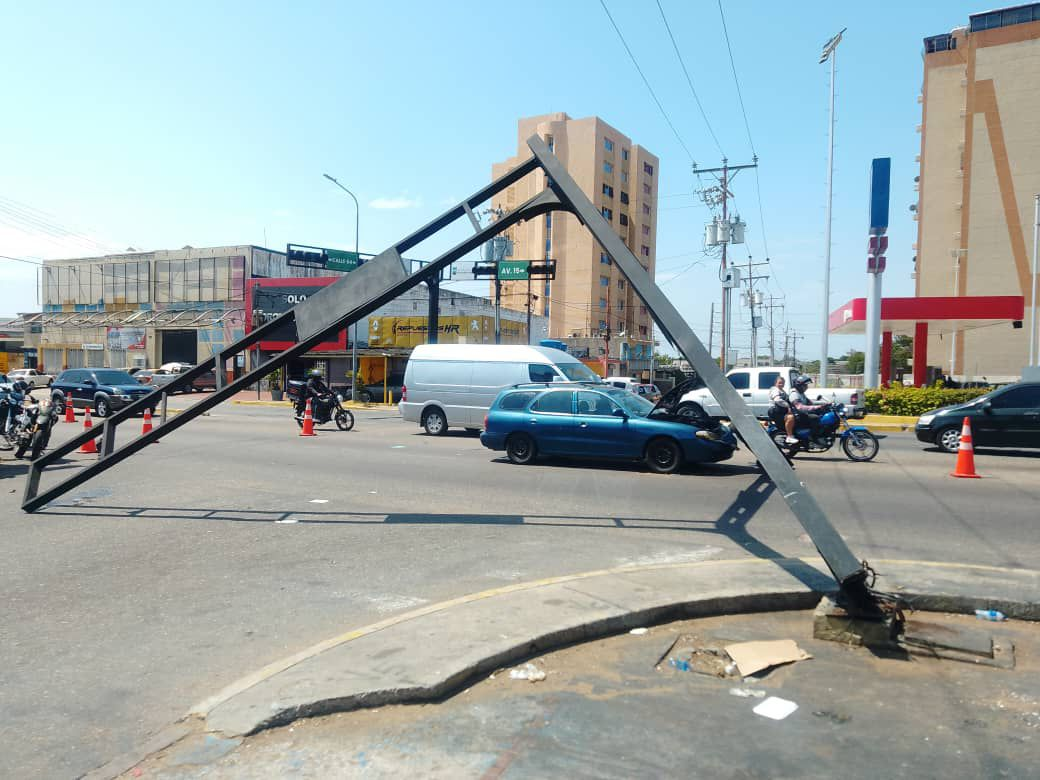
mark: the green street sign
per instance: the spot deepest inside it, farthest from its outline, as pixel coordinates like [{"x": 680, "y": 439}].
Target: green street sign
[
  {"x": 509, "y": 270},
  {"x": 339, "y": 260}
]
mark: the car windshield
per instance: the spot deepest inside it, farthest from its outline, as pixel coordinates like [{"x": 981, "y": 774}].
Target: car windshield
[
  {"x": 634, "y": 404},
  {"x": 578, "y": 372},
  {"x": 114, "y": 378}
]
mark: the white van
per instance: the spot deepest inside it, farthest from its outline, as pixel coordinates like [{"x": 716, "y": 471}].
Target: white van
[{"x": 454, "y": 385}]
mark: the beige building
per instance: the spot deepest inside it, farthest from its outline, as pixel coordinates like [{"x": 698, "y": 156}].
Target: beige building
[
  {"x": 589, "y": 302},
  {"x": 980, "y": 171}
]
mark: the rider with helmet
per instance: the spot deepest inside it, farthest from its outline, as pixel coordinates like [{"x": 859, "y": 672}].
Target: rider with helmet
[
  {"x": 805, "y": 411},
  {"x": 316, "y": 389}
]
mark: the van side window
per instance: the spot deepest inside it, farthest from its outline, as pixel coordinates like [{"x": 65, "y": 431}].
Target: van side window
[
  {"x": 558, "y": 402},
  {"x": 739, "y": 380},
  {"x": 541, "y": 373},
  {"x": 619, "y": 384},
  {"x": 514, "y": 401},
  {"x": 767, "y": 379}
]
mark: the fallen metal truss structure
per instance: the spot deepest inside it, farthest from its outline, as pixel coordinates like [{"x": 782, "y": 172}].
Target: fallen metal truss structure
[{"x": 387, "y": 276}]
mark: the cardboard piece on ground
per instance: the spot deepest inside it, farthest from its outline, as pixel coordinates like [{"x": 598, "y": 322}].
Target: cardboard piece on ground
[{"x": 752, "y": 657}]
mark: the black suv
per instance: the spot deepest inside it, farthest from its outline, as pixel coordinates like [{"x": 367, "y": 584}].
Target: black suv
[{"x": 101, "y": 389}]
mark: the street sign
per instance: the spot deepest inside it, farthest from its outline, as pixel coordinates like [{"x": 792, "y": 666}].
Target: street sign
[
  {"x": 509, "y": 270},
  {"x": 338, "y": 260}
]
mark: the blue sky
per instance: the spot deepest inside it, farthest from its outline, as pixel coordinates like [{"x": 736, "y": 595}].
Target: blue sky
[{"x": 211, "y": 123}]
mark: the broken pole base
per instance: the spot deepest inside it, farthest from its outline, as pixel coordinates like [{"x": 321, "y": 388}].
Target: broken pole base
[{"x": 835, "y": 623}]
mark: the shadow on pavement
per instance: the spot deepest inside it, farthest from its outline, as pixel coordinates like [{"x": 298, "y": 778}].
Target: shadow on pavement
[{"x": 720, "y": 469}]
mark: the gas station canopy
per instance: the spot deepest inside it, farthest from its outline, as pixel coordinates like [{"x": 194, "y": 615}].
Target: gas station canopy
[{"x": 901, "y": 316}]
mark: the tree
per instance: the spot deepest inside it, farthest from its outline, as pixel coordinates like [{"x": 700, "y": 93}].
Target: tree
[
  {"x": 663, "y": 360},
  {"x": 854, "y": 361},
  {"x": 902, "y": 351}
]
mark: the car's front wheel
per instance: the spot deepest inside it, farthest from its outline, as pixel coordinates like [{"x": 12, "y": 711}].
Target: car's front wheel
[
  {"x": 949, "y": 438},
  {"x": 102, "y": 407},
  {"x": 663, "y": 456},
  {"x": 521, "y": 449}
]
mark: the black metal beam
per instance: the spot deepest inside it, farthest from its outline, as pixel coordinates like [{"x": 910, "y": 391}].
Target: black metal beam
[{"x": 847, "y": 570}]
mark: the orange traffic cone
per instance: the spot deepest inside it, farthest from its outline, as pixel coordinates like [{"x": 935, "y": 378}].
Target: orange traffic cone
[
  {"x": 146, "y": 426},
  {"x": 308, "y": 421},
  {"x": 965, "y": 455},
  {"x": 70, "y": 413},
  {"x": 90, "y": 448}
]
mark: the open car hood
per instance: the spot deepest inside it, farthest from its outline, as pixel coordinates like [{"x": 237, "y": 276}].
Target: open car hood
[{"x": 671, "y": 399}]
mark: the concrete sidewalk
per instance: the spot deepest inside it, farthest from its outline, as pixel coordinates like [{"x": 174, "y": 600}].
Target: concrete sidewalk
[{"x": 425, "y": 654}]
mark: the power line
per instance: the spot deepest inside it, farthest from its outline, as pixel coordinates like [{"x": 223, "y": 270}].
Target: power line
[
  {"x": 689, "y": 80},
  {"x": 733, "y": 66},
  {"x": 21, "y": 260},
  {"x": 645, "y": 81}
]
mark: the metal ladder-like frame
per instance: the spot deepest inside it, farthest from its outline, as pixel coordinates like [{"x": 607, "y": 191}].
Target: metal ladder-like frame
[{"x": 385, "y": 277}]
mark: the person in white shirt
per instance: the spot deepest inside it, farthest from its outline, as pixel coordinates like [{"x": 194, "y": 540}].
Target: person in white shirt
[{"x": 780, "y": 409}]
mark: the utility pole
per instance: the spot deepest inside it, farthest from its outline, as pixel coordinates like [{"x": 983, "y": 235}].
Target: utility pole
[
  {"x": 770, "y": 306},
  {"x": 724, "y": 232},
  {"x": 829, "y": 53},
  {"x": 752, "y": 301},
  {"x": 711, "y": 327}
]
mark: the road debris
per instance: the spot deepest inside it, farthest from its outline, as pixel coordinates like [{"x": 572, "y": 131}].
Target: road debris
[
  {"x": 528, "y": 672},
  {"x": 775, "y": 708},
  {"x": 752, "y": 657},
  {"x": 748, "y": 693}
]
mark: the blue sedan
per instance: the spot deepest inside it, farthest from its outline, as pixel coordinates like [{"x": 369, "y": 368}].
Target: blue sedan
[{"x": 594, "y": 421}]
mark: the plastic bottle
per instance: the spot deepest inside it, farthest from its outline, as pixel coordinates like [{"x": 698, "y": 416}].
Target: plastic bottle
[{"x": 990, "y": 614}]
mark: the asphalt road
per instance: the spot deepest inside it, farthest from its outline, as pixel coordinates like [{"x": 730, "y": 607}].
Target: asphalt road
[{"x": 208, "y": 555}]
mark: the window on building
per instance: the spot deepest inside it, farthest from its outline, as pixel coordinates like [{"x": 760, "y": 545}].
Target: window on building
[
  {"x": 608, "y": 144},
  {"x": 620, "y": 305},
  {"x": 646, "y": 189},
  {"x": 603, "y": 303},
  {"x": 624, "y": 196},
  {"x": 604, "y": 259},
  {"x": 608, "y": 190},
  {"x": 642, "y": 310},
  {"x": 624, "y": 177},
  {"x": 608, "y": 214},
  {"x": 624, "y": 154},
  {"x": 642, "y": 330},
  {"x": 608, "y": 167},
  {"x": 623, "y": 219},
  {"x": 602, "y": 324},
  {"x": 604, "y": 281},
  {"x": 648, "y": 169},
  {"x": 550, "y": 142},
  {"x": 646, "y": 230},
  {"x": 646, "y": 209},
  {"x": 644, "y": 250},
  {"x": 621, "y": 284}
]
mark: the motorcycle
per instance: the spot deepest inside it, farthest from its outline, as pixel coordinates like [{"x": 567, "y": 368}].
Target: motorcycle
[
  {"x": 857, "y": 442},
  {"x": 329, "y": 407},
  {"x": 31, "y": 430}
]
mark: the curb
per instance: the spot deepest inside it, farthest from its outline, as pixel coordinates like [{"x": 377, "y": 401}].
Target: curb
[{"x": 470, "y": 636}]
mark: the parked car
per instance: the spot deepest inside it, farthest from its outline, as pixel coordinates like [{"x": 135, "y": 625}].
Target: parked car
[
  {"x": 31, "y": 377},
  {"x": 374, "y": 392},
  {"x": 753, "y": 384},
  {"x": 207, "y": 381},
  {"x": 1007, "y": 417},
  {"x": 155, "y": 377},
  {"x": 594, "y": 421},
  {"x": 647, "y": 390},
  {"x": 102, "y": 389},
  {"x": 454, "y": 385}
]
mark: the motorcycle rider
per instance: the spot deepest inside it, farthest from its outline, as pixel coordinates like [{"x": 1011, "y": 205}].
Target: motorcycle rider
[
  {"x": 316, "y": 389},
  {"x": 804, "y": 410},
  {"x": 780, "y": 411},
  {"x": 13, "y": 393}
]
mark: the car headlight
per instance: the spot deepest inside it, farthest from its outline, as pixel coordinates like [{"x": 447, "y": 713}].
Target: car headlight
[
  {"x": 339, "y": 397},
  {"x": 925, "y": 419}
]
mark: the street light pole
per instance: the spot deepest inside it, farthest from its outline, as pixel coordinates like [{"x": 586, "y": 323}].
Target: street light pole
[
  {"x": 357, "y": 253},
  {"x": 829, "y": 53}
]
